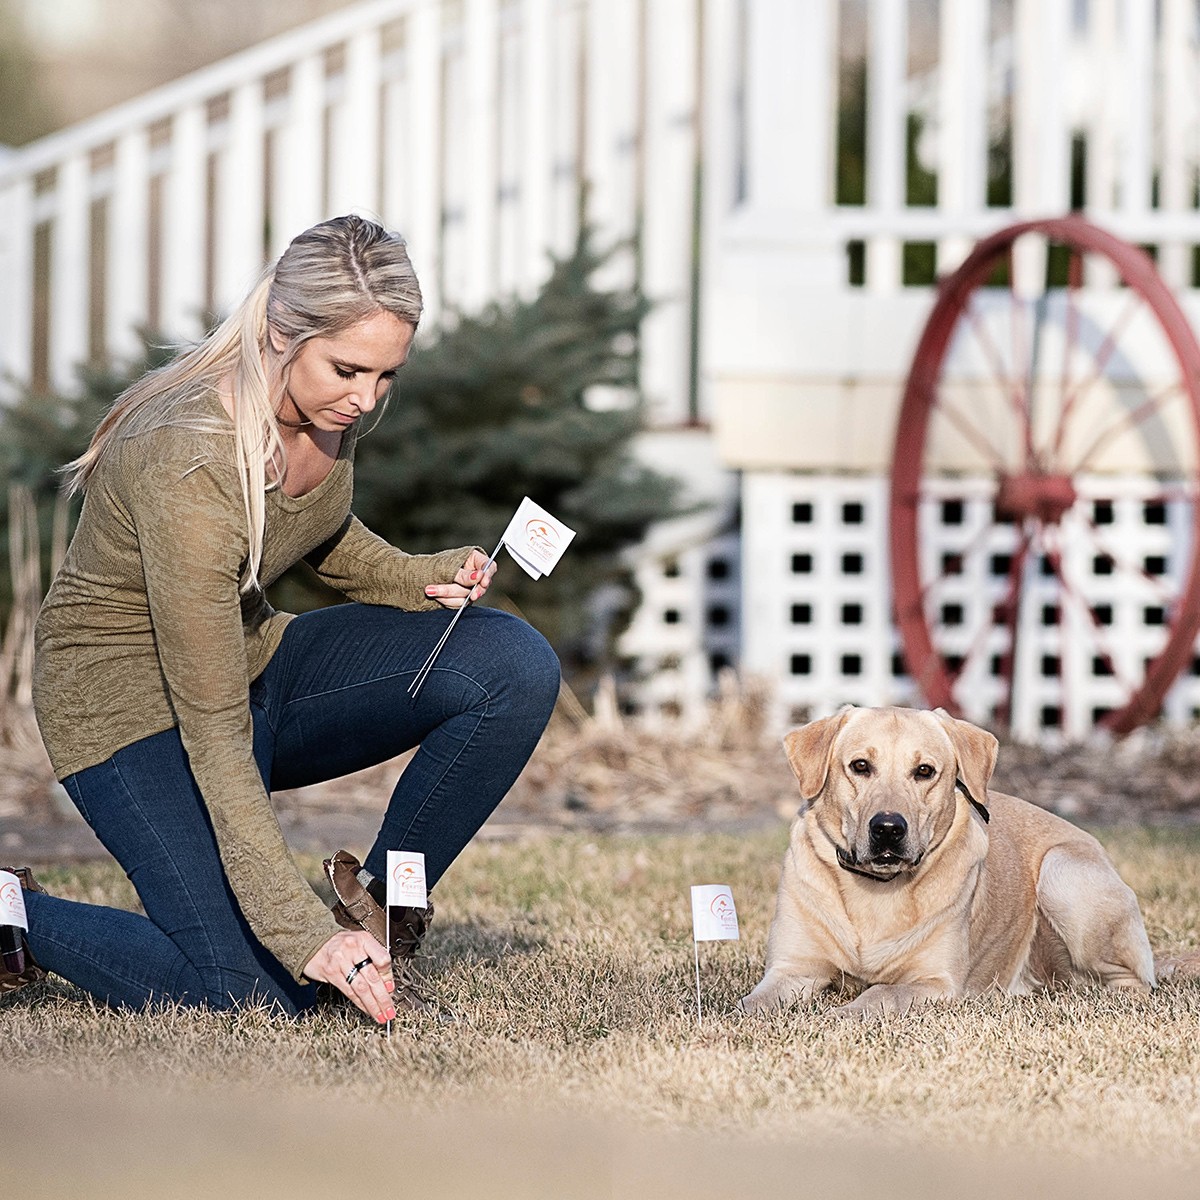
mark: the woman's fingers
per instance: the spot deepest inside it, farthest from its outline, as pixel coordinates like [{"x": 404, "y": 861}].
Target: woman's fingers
[
  {"x": 471, "y": 581},
  {"x": 359, "y": 967},
  {"x": 369, "y": 980}
]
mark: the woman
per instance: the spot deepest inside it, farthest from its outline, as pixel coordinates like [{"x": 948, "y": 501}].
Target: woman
[{"x": 172, "y": 698}]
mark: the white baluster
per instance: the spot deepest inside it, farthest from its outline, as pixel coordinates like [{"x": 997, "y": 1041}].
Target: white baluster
[
  {"x": 297, "y": 201},
  {"x": 127, "y": 303},
  {"x": 354, "y": 148},
  {"x": 963, "y": 123},
  {"x": 668, "y": 207},
  {"x": 510, "y": 145},
  {"x": 395, "y": 167},
  {"x": 424, "y": 157},
  {"x": 238, "y": 250},
  {"x": 613, "y": 128},
  {"x": 482, "y": 34},
  {"x": 887, "y": 132},
  {"x": 16, "y": 270},
  {"x": 567, "y": 153},
  {"x": 535, "y": 83},
  {"x": 1041, "y": 139},
  {"x": 70, "y": 270},
  {"x": 1179, "y": 132},
  {"x": 1137, "y": 106},
  {"x": 183, "y": 298}
]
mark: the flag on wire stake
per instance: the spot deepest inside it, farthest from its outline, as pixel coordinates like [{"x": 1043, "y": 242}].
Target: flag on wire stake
[
  {"x": 12, "y": 902},
  {"x": 714, "y": 919},
  {"x": 405, "y": 888},
  {"x": 536, "y": 541}
]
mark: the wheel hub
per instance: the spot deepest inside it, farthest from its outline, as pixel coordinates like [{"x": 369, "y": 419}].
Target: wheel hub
[{"x": 1035, "y": 495}]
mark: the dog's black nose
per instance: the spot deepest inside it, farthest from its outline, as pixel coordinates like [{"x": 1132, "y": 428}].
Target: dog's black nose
[{"x": 888, "y": 831}]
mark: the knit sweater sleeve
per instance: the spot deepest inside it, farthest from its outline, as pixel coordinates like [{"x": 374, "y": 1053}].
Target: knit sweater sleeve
[
  {"x": 193, "y": 543},
  {"x": 364, "y": 567}
]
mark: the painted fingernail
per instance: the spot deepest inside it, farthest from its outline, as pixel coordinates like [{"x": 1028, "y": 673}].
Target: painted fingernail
[
  {"x": 431, "y": 591},
  {"x": 474, "y": 574},
  {"x": 391, "y": 1014}
]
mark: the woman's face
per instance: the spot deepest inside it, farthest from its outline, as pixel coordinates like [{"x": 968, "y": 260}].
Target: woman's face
[{"x": 335, "y": 380}]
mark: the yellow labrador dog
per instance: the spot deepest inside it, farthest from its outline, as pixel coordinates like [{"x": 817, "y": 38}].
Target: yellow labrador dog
[{"x": 905, "y": 874}]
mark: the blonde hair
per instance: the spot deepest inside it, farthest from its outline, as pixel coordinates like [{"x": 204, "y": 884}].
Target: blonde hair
[{"x": 330, "y": 278}]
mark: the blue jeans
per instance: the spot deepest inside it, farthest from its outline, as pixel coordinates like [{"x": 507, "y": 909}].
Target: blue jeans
[{"x": 332, "y": 700}]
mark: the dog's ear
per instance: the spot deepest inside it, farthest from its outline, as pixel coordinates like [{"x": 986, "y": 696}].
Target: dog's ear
[
  {"x": 808, "y": 749},
  {"x": 976, "y": 750}
]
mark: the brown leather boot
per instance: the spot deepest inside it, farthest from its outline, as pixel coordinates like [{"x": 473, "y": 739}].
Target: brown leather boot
[
  {"x": 356, "y": 908},
  {"x": 30, "y": 971}
]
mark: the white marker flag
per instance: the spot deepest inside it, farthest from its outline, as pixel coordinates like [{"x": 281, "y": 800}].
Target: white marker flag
[
  {"x": 535, "y": 539},
  {"x": 406, "y": 879},
  {"x": 12, "y": 902},
  {"x": 714, "y": 917}
]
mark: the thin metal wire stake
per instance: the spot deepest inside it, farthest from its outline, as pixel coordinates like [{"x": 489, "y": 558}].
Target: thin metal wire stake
[
  {"x": 699, "y": 1014},
  {"x": 427, "y": 666},
  {"x": 387, "y": 933}
]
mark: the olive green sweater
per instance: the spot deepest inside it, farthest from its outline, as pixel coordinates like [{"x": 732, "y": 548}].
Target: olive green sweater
[{"x": 144, "y": 628}]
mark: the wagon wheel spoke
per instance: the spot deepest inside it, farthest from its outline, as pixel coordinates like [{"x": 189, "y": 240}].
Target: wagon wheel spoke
[
  {"x": 964, "y": 553},
  {"x": 973, "y": 434},
  {"x": 1128, "y": 422},
  {"x": 1071, "y": 401},
  {"x": 1074, "y": 593},
  {"x": 1070, "y": 346},
  {"x": 1124, "y": 567},
  {"x": 1007, "y": 381},
  {"x": 1012, "y": 623},
  {"x": 1022, "y": 361}
]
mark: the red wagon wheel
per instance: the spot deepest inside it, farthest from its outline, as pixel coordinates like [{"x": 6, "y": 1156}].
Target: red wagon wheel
[{"x": 1044, "y": 501}]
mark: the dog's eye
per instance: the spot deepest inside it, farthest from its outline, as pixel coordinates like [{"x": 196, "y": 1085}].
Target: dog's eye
[
  {"x": 860, "y": 766},
  {"x": 924, "y": 771}
]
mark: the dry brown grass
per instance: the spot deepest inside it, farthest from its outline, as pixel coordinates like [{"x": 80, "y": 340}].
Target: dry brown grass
[{"x": 568, "y": 963}]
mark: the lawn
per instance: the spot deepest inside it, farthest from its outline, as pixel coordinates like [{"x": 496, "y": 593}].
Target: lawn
[{"x": 567, "y": 962}]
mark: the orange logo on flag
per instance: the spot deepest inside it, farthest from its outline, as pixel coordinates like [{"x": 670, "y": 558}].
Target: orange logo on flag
[
  {"x": 722, "y": 908},
  {"x": 542, "y": 536}
]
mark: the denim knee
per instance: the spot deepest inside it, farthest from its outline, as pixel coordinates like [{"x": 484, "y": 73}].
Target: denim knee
[{"x": 532, "y": 671}]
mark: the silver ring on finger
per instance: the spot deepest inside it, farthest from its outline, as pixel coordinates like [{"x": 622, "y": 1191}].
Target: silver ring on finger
[{"x": 354, "y": 970}]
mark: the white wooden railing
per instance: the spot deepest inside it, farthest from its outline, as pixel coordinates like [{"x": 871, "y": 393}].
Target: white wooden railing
[{"x": 707, "y": 127}]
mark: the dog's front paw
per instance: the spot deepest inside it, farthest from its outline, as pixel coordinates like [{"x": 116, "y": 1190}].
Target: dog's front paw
[
  {"x": 778, "y": 991},
  {"x": 888, "y": 999}
]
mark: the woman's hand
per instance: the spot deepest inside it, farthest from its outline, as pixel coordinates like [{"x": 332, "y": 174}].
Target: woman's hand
[
  {"x": 471, "y": 580},
  {"x": 356, "y": 964}
]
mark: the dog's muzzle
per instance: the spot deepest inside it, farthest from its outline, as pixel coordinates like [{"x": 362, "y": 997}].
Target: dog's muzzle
[{"x": 887, "y": 838}]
